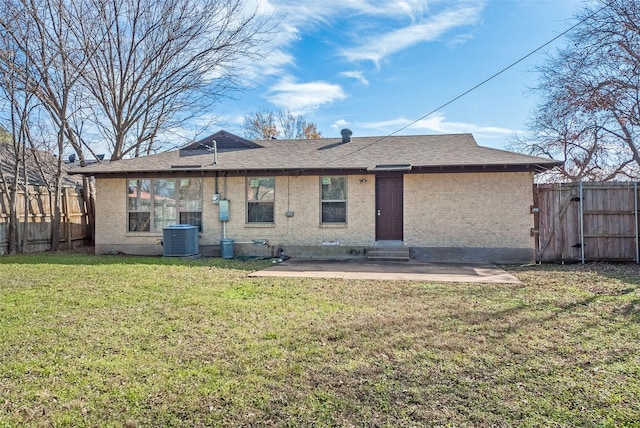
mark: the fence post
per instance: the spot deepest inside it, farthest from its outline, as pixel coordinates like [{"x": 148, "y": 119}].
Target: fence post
[
  {"x": 581, "y": 223},
  {"x": 536, "y": 220},
  {"x": 20, "y": 229},
  {"x": 635, "y": 193},
  {"x": 66, "y": 215}
]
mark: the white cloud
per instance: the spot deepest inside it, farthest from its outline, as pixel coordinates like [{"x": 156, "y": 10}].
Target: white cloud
[
  {"x": 384, "y": 126},
  {"x": 301, "y": 98},
  {"x": 340, "y": 124},
  {"x": 460, "y": 39},
  {"x": 308, "y": 12},
  {"x": 434, "y": 124},
  {"x": 358, "y": 75},
  {"x": 430, "y": 28},
  {"x": 262, "y": 7},
  {"x": 370, "y": 30},
  {"x": 380, "y": 19},
  {"x": 438, "y": 123},
  {"x": 274, "y": 62}
]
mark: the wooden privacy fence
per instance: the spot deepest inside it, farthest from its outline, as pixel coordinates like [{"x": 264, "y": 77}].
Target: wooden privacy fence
[
  {"x": 586, "y": 221},
  {"x": 74, "y": 227}
]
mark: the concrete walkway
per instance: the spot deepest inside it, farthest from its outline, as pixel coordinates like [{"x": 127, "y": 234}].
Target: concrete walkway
[{"x": 404, "y": 271}]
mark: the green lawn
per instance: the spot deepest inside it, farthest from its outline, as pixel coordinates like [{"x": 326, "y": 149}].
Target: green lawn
[{"x": 126, "y": 341}]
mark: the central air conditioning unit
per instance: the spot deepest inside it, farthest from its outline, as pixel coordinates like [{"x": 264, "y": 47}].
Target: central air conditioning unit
[{"x": 180, "y": 240}]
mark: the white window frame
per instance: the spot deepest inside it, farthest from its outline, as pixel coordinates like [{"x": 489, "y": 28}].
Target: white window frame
[
  {"x": 256, "y": 198},
  {"x": 323, "y": 182}
]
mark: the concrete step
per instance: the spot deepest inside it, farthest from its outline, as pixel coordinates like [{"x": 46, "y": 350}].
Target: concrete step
[{"x": 388, "y": 254}]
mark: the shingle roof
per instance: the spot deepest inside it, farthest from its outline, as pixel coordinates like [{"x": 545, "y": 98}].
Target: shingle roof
[
  {"x": 224, "y": 141},
  {"x": 421, "y": 152},
  {"x": 39, "y": 173}
]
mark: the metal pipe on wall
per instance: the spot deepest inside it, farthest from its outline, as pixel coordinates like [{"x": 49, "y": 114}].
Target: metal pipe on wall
[{"x": 254, "y": 242}]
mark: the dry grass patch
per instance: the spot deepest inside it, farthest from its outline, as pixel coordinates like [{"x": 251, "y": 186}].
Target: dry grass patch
[{"x": 112, "y": 341}]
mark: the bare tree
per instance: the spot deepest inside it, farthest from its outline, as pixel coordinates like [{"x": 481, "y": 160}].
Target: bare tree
[
  {"x": 45, "y": 58},
  {"x": 129, "y": 69},
  {"x": 11, "y": 153},
  {"x": 16, "y": 105},
  {"x": 310, "y": 131},
  {"x": 590, "y": 114},
  {"x": 155, "y": 63},
  {"x": 278, "y": 124}
]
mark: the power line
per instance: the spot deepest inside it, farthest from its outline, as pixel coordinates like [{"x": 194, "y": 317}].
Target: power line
[{"x": 488, "y": 79}]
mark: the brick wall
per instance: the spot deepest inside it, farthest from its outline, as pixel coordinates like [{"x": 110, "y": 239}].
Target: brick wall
[
  {"x": 111, "y": 220},
  {"x": 301, "y": 195},
  {"x": 111, "y": 214},
  {"x": 488, "y": 210}
]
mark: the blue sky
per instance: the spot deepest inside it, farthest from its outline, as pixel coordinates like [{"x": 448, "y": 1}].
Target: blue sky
[{"x": 377, "y": 65}]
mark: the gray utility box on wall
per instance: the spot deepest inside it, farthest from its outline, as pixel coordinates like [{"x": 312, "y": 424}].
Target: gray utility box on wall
[{"x": 180, "y": 240}]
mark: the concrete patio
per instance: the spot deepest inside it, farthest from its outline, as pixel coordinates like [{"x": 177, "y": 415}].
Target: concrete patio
[{"x": 387, "y": 270}]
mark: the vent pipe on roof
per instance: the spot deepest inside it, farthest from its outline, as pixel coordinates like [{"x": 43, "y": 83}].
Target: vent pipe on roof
[
  {"x": 214, "y": 148},
  {"x": 346, "y": 135}
]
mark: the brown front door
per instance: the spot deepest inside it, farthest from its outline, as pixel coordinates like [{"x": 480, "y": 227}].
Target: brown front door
[{"x": 389, "y": 222}]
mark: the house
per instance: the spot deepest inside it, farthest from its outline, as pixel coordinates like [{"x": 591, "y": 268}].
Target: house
[
  {"x": 41, "y": 167},
  {"x": 439, "y": 197}
]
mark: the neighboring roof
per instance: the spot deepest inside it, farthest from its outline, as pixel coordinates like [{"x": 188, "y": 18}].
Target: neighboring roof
[
  {"x": 417, "y": 153},
  {"x": 223, "y": 141},
  {"x": 39, "y": 173}
]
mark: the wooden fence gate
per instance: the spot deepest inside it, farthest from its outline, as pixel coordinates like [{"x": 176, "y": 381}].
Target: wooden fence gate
[{"x": 586, "y": 221}]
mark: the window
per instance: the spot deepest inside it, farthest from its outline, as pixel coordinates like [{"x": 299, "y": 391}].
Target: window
[
  {"x": 155, "y": 204},
  {"x": 260, "y": 199},
  {"x": 164, "y": 204},
  {"x": 191, "y": 202},
  {"x": 139, "y": 205},
  {"x": 333, "y": 199}
]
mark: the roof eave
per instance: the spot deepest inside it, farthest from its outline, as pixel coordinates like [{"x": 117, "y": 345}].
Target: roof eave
[{"x": 425, "y": 169}]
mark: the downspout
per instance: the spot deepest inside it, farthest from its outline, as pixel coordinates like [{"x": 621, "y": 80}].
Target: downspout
[
  {"x": 217, "y": 192},
  {"x": 224, "y": 223},
  {"x": 215, "y": 162}
]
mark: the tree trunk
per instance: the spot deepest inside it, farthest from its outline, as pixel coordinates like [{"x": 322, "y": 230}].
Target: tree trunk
[
  {"x": 13, "y": 209},
  {"x": 88, "y": 196},
  {"x": 57, "y": 200},
  {"x": 12, "y": 247},
  {"x": 25, "y": 224},
  {"x": 24, "y": 246},
  {"x": 55, "y": 216}
]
